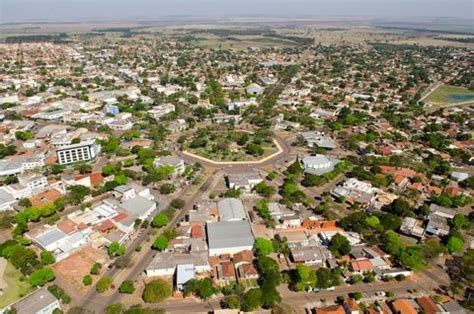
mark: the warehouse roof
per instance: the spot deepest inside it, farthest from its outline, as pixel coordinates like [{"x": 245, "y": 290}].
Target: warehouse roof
[
  {"x": 225, "y": 234},
  {"x": 231, "y": 209}
]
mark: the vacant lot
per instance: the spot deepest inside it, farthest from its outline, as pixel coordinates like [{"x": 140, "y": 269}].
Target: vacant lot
[
  {"x": 446, "y": 94},
  {"x": 76, "y": 266},
  {"x": 15, "y": 288}
]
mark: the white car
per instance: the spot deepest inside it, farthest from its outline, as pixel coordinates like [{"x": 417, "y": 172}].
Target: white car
[{"x": 380, "y": 293}]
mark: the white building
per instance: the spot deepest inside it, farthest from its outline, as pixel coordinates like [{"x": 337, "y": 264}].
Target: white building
[
  {"x": 318, "y": 164},
  {"x": 161, "y": 110},
  {"x": 229, "y": 237},
  {"x": 83, "y": 151},
  {"x": 39, "y": 302}
]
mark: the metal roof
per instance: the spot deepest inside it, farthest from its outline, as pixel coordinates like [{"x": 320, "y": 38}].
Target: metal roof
[
  {"x": 50, "y": 236},
  {"x": 231, "y": 209},
  {"x": 228, "y": 234}
]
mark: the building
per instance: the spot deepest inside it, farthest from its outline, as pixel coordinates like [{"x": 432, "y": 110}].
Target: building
[
  {"x": 84, "y": 151},
  {"x": 413, "y": 227},
  {"x": 254, "y": 89},
  {"x": 6, "y": 200},
  {"x": 317, "y": 139},
  {"x": 111, "y": 109},
  {"x": 176, "y": 162},
  {"x": 165, "y": 263},
  {"x": 245, "y": 181},
  {"x": 333, "y": 309},
  {"x": 161, "y": 110},
  {"x": 184, "y": 273},
  {"x": 229, "y": 237},
  {"x": 231, "y": 209},
  {"x": 403, "y": 306},
  {"x": 39, "y": 302},
  {"x": 318, "y": 164},
  {"x": 429, "y": 306}
]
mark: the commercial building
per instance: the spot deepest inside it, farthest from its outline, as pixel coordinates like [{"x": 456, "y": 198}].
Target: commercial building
[
  {"x": 231, "y": 209},
  {"x": 229, "y": 237},
  {"x": 84, "y": 151},
  {"x": 318, "y": 164}
]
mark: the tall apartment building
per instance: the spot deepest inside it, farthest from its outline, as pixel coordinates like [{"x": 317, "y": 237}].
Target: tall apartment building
[{"x": 83, "y": 151}]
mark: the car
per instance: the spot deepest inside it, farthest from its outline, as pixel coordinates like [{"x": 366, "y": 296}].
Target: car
[{"x": 380, "y": 293}]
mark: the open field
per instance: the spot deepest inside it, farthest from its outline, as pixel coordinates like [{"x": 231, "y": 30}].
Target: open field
[
  {"x": 75, "y": 267},
  {"x": 16, "y": 289},
  {"x": 446, "y": 94}
]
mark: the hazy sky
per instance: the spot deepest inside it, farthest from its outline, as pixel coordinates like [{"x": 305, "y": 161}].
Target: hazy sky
[{"x": 74, "y": 10}]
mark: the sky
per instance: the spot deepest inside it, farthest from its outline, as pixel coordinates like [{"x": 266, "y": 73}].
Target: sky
[{"x": 87, "y": 10}]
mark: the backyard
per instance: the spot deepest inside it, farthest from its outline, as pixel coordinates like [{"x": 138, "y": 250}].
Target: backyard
[
  {"x": 447, "y": 94},
  {"x": 15, "y": 288}
]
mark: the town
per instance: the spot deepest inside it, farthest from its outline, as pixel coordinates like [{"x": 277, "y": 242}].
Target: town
[{"x": 220, "y": 169}]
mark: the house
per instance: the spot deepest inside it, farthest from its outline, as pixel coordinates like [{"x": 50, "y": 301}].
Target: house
[
  {"x": 413, "y": 227},
  {"x": 403, "y": 306},
  {"x": 124, "y": 192},
  {"x": 229, "y": 237},
  {"x": 317, "y": 139},
  {"x": 226, "y": 271},
  {"x": 291, "y": 221},
  {"x": 165, "y": 263},
  {"x": 184, "y": 273},
  {"x": 247, "y": 271},
  {"x": 437, "y": 225},
  {"x": 309, "y": 254},
  {"x": 453, "y": 307},
  {"x": 39, "y": 302},
  {"x": 176, "y": 162},
  {"x": 352, "y": 307},
  {"x": 242, "y": 258},
  {"x": 6, "y": 201},
  {"x": 243, "y": 180},
  {"x": 318, "y": 164},
  {"x": 361, "y": 266},
  {"x": 231, "y": 209},
  {"x": 459, "y": 176},
  {"x": 161, "y": 110},
  {"x": 333, "y": 309},
  {"x": 429, "y": 306}
]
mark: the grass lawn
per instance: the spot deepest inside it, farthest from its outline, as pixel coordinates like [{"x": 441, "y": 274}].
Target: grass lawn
[
  {"x": 447, "y": 94},
  {"x": 16, "y": 288}
]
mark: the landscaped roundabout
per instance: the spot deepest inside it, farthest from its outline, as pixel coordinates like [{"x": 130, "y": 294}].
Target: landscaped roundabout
[{"x": 227, "y": 146}]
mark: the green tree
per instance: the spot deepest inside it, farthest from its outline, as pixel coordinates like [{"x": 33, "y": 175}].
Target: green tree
[
  {"x": 127, "y": 287},
  {"x": 202, "y": 288},
  {"x": 47, "y": 258},
  {"x": 24, "y": 202},
  {"x": 41, "y": 276},
  {"x": 263, "y": 247},
  {"x": 160, "y": 220},
  {"x": 104, "y": 284},
  {"x": 156, "y": 291},
  {"x": 454, "y": 244},
  {"x": 167, "y": 188},
  {"x": 339, "y": 245},
  {"x": 87, "y": 280},
  {"x": 304, "y": 277},
  {"x": 232, "y": 302},
  {"x": 115, "y": 249},
  {"x": 95, "y": 269},
  {"x": 264, "y": 189},
  {"x": 252, "y": 300},
  {"x": 460, "y": 222},
  {"x": 161, "y": 243},
  {"x": 24, "y": 135}
]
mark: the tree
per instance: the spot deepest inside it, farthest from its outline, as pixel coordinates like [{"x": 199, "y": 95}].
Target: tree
[
  {"x": 87, "y": 280},
  {"x": 400, "y": 207},
  {"x": 95, "y": 269},
  {"x": 460, "y": 221},
  {"x": 263, "y": 247},
  {"x": 454, "y": 244},
  {"x": 356, "y": 295},
  {"x": 24, "y": 202},
  {"x": 24, "y": 135},
  {"x": 104, "y": 284},
  {"x": 339, "y": 245},
  {"x": 327, "y": 278},
  {"x": 160, "y": 220},
  {"x": 161, "y": 243},
  {"x": 77, "y": 193},
  {"x": 59, "y": 293},
  {"x": 252, "y": 300},
  {"x": 41, "y": 276},
  {"x": 232, "y": 302},
  {"x": 127, "y": 287},
  {"x": 304, "y": 277},
  {"x": 177, "y": 203},
  {"x": 167, "y": 188},
  {"x": 156, "y": 291},
  {"x": 115, "y": 249},
  {"x": 47, "y": 258},
  {"x": 202, "y": 288},
  {"x": 115, "y": 308},
  {"x": 83, "y": 168},
  {"x": 264, "y": 189}
]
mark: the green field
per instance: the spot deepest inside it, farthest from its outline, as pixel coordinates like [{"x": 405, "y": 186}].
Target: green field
[
  {"x": 15, "y": 288},
  {"x": 447, "y": 94}
]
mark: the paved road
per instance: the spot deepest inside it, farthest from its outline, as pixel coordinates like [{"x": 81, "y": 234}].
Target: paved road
[{"x": 97, "y": 302}]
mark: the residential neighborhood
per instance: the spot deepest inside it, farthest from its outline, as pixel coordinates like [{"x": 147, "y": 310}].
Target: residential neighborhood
[{"x": 236, "y": 167}]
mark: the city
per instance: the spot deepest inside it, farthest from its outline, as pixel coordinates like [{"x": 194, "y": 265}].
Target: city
[{"x": 236, "y": 165}]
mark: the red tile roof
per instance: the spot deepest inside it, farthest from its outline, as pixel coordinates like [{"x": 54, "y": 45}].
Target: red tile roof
[
  {"x": 67, "y": 226},
  {"x": 362, "y": 265}
]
